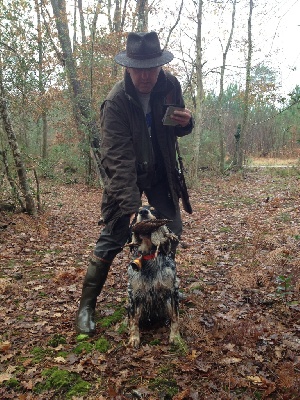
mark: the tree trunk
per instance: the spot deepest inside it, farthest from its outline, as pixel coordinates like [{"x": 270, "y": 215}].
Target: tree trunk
[
  {"x": 75, "y": 26},
  {"x": 82, "y": 27},
  {"x": 199, "y": 96},
  {"x": 140, "y": 23},
  {"x": 14, "y": 188},
  {"x": 12, "y": 140},
  {"x": 45, "y": 134},
  {"x": 222, "y": 143},
  {"x": 85, "y": 121},
  {"x": 43, "y": 116},
  {"x": 241, "y": 143}
]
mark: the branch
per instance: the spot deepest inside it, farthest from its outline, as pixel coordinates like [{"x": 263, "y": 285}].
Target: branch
[
  {"x": 175, "y": 24},
  {"x": 9, "y": 48},
  {"x": 278, "y": 113}
]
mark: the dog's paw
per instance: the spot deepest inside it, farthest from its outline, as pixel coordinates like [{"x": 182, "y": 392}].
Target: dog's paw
[{"x": 134, "y": 341}]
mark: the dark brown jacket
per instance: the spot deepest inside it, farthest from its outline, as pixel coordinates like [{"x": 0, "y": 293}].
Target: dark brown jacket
[{"x": 127, "y": 155}]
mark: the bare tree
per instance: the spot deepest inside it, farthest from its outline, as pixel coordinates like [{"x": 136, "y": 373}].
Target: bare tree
[
  {"x": 221, "y": 91},
  {"x": 199, "y": 95},
  {"x": 82, "y": 26},
  {"x": 14, "y": 146},
  {"x": 43, "y": 115},
  {"x": 242, "y": 136},
  {"x": 82, "y": 109},
  {"x": 140, "y": 23}
]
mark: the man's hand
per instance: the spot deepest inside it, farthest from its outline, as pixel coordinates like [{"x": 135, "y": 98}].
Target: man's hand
[{"x": 182, "y": 117}]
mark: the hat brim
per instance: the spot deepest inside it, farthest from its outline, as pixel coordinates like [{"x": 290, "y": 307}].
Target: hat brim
[{"x": 165, "y": 58}]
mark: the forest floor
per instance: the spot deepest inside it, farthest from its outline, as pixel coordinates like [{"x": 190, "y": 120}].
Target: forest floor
[{"x": 239, "y": 271}]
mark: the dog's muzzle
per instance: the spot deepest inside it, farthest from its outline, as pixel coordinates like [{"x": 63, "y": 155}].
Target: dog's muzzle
[{"x": 144, "y": 214}]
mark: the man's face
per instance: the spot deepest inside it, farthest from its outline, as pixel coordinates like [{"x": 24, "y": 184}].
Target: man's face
[{"x": 144, "y": 79}]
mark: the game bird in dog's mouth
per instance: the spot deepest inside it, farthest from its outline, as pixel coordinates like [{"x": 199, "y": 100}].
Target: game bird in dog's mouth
[{"x": 152, "y": 280}]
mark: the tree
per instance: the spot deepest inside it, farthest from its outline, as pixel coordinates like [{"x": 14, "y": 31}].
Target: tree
[
  {"x": 140, "y": 22},
  {"x": 199, "y": 94},
  {"x": 221, "y": 91},
  {"x": 43, "y": 116},
  {"x": 82, "y": 109},
  {"x": 241, "y": 140},
  {"x": 14, "y": 146}
]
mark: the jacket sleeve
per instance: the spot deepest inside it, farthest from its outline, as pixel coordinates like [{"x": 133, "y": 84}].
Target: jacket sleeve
[
  {"x": 180, "y": 131},
  {"x": 118, "y": 159}
]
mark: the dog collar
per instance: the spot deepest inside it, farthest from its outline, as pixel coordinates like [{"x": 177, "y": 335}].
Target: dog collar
[
  {"x": 138, "y": 261},
  {"x": 148, "y": 256}
]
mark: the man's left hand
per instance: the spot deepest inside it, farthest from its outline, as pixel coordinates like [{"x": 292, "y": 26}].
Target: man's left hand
[{"x": 182, "y": 117}]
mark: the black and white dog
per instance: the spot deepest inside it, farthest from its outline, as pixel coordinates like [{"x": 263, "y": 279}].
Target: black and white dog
[{"x": 152, "y": 281}]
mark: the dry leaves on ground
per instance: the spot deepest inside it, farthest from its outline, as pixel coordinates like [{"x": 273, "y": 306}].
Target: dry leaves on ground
[{"x": 239, "y": 270}]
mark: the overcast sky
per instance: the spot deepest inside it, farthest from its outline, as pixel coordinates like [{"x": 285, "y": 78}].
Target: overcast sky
[
  {"x": 275, "y": 34},
  {"x": 281, "y": 40}
]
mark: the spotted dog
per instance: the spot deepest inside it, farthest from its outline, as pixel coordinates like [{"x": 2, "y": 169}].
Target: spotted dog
[{"x": 152, "y": 281}]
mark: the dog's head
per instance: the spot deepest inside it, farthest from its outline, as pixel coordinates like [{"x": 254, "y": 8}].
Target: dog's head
[
  {"x": 146, "y": 213},
  {"x": 150, "y": 233}
]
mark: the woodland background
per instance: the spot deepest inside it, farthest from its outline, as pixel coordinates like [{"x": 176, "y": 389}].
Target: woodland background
[
  {"x": 239, "y": 260},
  {"x": 56, "y": 67}
]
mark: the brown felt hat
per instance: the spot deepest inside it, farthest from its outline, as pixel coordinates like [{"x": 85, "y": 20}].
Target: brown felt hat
[{"x": 143, "y": 51}]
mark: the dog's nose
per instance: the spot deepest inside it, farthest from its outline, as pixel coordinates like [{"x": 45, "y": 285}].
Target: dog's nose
[{"x": 144, "y": 212}]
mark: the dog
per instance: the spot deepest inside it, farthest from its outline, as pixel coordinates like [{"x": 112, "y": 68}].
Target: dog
[{"x": 152, "y": 281}]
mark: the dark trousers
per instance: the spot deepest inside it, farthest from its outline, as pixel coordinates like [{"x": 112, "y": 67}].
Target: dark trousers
[{"x": 111, "y": 242}]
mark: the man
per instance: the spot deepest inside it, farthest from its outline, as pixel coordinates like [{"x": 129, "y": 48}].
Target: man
[{"x": 137, "y": 156}]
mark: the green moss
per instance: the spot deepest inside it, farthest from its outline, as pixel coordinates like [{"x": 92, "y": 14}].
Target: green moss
[
  {"x": 85, "y": 347},
  {"x": 12, "y": 383},
  {"x": 155, "y": 342},
  {"x": 225, "y": 229},
  {"x": 122, "y": 328},
  {"x": 82, "y": 337},
  {"x": 166, "y": 386},
  {"x": 81, "y": 387},
  {"x": 62, "y": 382},
  {"x": 62, "y": 354},
  {"x": 39, "y": 354},
  {"x": 117, "y": 316},
  {"x": 57, "y": 340},
  {"x": 102, "y": 345}
]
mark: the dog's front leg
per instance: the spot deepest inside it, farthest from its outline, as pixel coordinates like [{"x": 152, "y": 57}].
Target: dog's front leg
[
  {"x": 174, "y": 316},
  {"x": 174, "y": 334},
  {"x": 134, "y": 330}
]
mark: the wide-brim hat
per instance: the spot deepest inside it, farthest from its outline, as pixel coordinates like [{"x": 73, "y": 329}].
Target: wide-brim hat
[{"x": 143, "y": 51}]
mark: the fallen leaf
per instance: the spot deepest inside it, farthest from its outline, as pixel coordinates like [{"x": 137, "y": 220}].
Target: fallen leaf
[
  {"x": 5, "y": 376},
  {"x": 27, "y": 385},
  {"x": 230, "y": 360},
  {"x": 60, "y": 360},
  {"x": 254, "y": 379},
  {"x": 4, "y": 346}
]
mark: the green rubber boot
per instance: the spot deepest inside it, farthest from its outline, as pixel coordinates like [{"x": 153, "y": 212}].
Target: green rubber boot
[{"x": 93, "y": 282}]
